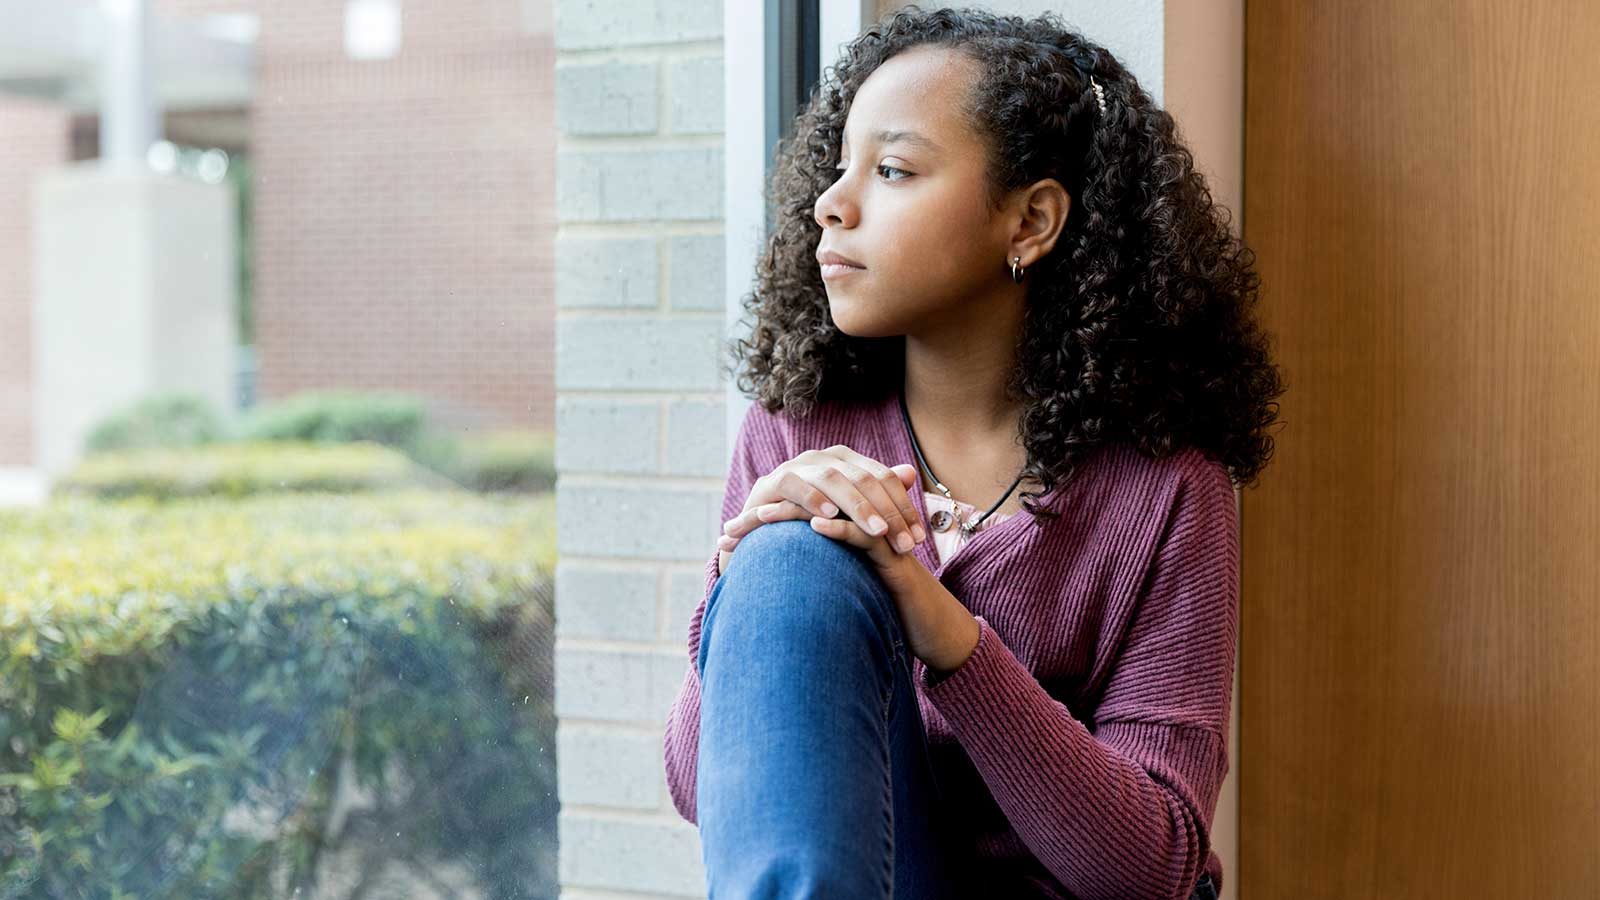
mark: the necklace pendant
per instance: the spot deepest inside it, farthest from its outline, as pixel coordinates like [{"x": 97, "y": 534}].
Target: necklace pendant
[{"x": 941, "y": 520}]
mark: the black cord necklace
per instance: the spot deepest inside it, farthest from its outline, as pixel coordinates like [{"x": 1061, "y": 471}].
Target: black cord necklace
[{"x": 939, "y": 521}]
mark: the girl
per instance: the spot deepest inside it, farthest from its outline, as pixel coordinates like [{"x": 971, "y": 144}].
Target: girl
[{"x": 970, "y": 627}]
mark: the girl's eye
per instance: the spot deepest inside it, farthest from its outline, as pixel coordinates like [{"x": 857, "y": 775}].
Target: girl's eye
[{"x": 840, "y": 170}]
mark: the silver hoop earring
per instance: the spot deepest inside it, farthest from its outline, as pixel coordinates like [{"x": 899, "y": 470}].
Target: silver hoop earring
[{"x": 1016, "y": 271}]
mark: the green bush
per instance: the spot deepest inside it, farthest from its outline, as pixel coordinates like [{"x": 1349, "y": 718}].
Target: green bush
[
  {"x": 513, "y": 461},
  {"x": 159, "y": 420},
  {"x": 398, "y": 420},
  {"x": 272, "y": 449},
  {"x": 167, "y": 667},
  {"x": 237, "y": 470}
]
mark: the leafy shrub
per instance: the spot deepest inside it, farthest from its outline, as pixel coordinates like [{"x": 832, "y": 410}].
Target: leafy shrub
[
  {"x": 272, "y": 450},
  {"x": 237, "y": 470},
  {"x": 188, "y": 688},
  {"x": 159, "y": 420},
  {"x": 396, "y": 419},
  {"x": 520, "y": 461}
]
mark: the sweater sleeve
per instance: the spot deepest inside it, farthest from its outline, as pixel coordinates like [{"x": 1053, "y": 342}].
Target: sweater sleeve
[
  {"x": 758, "y": 448},
  {"x": 1122, "y": 807}
]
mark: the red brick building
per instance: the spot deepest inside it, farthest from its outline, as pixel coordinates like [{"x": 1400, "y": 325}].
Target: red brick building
[
  {"x": 403, "y": 208},
  {"x": 34, "y": 136}
]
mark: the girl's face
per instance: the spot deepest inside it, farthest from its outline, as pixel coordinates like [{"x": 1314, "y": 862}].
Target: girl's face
[{"x": 909, "y": 204}]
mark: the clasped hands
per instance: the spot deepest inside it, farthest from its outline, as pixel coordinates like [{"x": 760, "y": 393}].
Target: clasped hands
[{"x": 818, "y": 484}]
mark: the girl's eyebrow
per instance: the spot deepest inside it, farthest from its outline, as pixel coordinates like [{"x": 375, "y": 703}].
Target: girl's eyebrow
[{"x": 903, "y": 136}]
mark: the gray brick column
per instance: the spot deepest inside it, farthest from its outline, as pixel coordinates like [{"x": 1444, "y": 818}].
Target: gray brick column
[{"x": 639, "y": 419}]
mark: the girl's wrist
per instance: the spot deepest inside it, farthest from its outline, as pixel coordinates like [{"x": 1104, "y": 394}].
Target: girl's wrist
[{"x": 970, "y": 632}]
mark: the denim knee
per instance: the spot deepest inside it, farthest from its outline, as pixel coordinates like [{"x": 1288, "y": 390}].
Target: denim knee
[
  {"x": 789, "y": 559},
  {"x": 801, "y": 547}
]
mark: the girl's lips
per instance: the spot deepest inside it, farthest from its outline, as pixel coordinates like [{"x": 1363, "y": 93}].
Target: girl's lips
[{"x": 834, "y": 270}]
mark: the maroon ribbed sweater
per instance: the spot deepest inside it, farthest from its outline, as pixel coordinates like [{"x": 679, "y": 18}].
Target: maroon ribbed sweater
[{"x": 1084, "y": 743}]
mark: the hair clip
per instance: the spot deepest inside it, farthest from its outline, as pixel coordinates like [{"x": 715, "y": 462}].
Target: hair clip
[{"x": 1099, "y": 94}]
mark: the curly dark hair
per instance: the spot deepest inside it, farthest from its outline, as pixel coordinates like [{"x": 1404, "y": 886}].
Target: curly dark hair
[{"x": 1137, "y": 325}]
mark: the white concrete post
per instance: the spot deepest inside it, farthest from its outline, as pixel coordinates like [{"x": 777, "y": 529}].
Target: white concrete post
[{"x": 129, "y": 119}]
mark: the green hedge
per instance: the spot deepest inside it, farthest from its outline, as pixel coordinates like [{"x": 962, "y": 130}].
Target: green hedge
[
  {"x": 165, "y": 666},
  {"x": 503, "y": 460},
  {"x": 237, "y": 470},
  {"x": 396, "y": 419},
  {"x": 159, "y": 420},
  {"x": 516, "y": 461}
]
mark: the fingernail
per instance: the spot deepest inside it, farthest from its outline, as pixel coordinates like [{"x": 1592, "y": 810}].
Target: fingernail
[
  {"x": 829, "y": 510},
  {"x": 917, "y": 530},
  {"x": 878, "y": 525},
  {"x": 903, "y": 541}
]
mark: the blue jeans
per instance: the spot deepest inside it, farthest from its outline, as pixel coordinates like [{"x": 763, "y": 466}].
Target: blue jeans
[{"x": 814, "y": 777}]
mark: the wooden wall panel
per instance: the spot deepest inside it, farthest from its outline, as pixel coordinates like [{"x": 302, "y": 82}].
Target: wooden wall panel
[{"x": 1420, "y": 690}]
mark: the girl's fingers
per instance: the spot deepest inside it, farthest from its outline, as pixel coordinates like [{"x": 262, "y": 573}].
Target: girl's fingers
[
  {"x": 841, "y": 529},
  {"x": 884, "y": 492},
  {"x": 838, "y": 529},
  {"x": 891, "y": 494},
  {"x": 740, "y": 525},
  {"x": 780, "y": 510},
  {"x": 817, "y": 498},
  {"x": 834, "y": 485},
  {"x": 752, "y": 518},
  {"x": 850, "y": 533}
]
